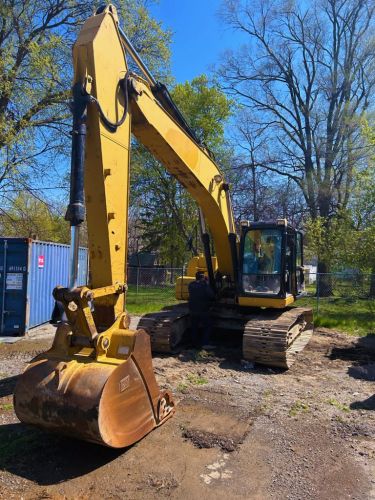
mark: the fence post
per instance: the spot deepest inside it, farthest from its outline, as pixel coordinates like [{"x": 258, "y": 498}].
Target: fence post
[
  {"x": 317, "y": 293},
  {"x": 137, "y": 280}
]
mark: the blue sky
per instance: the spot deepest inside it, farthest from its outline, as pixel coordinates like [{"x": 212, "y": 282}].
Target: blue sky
[{"x": 199, "y": 35}]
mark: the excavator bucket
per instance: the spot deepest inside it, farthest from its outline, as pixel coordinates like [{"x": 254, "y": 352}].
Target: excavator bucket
[{"x": 98, "y": 398}]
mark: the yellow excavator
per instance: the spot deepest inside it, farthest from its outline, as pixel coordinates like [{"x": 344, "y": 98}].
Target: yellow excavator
[{"x": 97, "y": 381}]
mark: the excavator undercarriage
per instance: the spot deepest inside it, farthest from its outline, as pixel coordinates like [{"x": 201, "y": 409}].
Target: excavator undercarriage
[{"x": 270, "y": 337}]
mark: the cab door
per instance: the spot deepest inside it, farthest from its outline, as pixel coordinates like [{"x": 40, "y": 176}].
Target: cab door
[
  {"x": 294, "y": 275},
  {"x": 290, "y": 264},
  {"x": 299, "y": 264}
]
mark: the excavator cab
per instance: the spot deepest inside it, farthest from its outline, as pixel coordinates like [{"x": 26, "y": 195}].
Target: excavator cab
[
  {"x": 270, "y": 264},
  {"x": 270, "y": 279}
]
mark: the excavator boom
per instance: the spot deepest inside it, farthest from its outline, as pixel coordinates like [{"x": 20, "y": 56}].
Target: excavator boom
[{"x": 97, "y": 382}]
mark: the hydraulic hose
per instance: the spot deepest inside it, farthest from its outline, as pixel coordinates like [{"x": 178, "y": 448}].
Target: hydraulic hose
[{"x": 112, "y": 126}]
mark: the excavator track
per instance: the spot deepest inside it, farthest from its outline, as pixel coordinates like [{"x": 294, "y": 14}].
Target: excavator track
[
  {"x": 272, "y": 338},
  {"x": 275, "y": 339},
  {"x": 166, "y": 328}
]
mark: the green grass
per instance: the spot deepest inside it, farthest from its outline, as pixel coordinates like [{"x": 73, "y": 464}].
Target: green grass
[
  {"x": 353, "y": 316},
  {"x": 6, "y": 407},
  {"x": 298, "y": 407},
  {"x": 148, "y": 298},
  {"x": 196, "y": 379},
  {"x": 202, "y": 355},
  {"x": 338, "y": 405},
  {"x": 182, "y": 387},
  {"x": 191, "y": 379}
]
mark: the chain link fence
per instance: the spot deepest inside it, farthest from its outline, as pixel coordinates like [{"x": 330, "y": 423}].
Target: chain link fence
[
  {"x": 344, "y": 300},
  {"x": 146, "y": 281},
  {"x": 349, "y": 286},
  {"x": 152, "y": 287}
]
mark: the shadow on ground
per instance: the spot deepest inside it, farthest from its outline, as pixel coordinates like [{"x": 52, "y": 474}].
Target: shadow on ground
[
  {"x": 363, "y": 372},
  {"x": 47, "y": 458},
  {"x": 228, "y": 358},
  {"x": 367, "y": 404},
  {"x": 7, "y": 386},
  {"x": 362, "y": 351},
  {"x": 362, "y": 354}
]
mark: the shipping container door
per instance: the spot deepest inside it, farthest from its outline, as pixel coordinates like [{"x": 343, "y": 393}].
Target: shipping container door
[
  {"x": 13, "y": 285},
  {"x": 82, "y": 267},
  {"x": 48, "y": 268}
]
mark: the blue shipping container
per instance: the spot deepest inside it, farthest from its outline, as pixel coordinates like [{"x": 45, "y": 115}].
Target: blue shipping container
[{"x": 29, "y": 271}]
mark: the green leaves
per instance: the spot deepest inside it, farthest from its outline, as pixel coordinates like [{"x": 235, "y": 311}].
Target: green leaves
[
  {"x": 36, "y": 71},
  {"x": 166, "y": 213},
  {"x": 330, "y": 240},
  {"x": 31, "y": 218},
  {"x": 206, "y": 108},
  {"x": 347, "y": 240}
]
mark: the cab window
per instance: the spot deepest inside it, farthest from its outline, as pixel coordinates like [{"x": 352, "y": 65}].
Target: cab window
[{"x": 261, "y": 271}]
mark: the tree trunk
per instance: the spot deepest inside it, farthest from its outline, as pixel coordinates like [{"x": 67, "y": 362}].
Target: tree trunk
[
  {"x": 324, "y": 280},
  {"x": 372, "y": 283}
]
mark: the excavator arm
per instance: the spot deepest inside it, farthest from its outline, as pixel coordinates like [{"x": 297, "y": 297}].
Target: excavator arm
[
  {"x": 119, "y": 103},
  {"x": 193, "y": 167}
]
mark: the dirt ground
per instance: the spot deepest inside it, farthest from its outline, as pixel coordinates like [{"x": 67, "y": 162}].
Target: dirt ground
[{"x": 239, "y": 431}]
